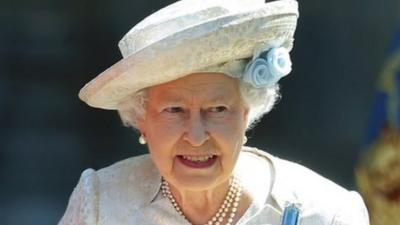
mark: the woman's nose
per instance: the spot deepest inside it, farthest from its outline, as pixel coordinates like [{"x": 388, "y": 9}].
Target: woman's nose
[{"x": 196, "y": 132}]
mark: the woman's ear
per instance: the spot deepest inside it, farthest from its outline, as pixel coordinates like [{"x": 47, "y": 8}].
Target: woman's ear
[
  {"x": 246, "y": 114},
  {"x": 141, "y": 124}
]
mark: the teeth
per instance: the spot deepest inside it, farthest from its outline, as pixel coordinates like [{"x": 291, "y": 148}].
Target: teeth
[{"x": 197, "y": 158}]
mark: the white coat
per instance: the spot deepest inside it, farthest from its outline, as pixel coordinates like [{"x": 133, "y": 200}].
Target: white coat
[{"x": 128, "y": 193}]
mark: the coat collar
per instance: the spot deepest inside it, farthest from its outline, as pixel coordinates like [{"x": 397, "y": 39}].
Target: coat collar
[
  {"x": 259, "y": 172},
  {"x": 278, "y": 186}
]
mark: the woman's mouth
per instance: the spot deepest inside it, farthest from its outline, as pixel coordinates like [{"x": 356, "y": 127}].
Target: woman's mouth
[{"x": 203, "y": 161}]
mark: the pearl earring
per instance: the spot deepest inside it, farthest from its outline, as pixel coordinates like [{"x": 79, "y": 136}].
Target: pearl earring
[
  {"x": 142, "y": 140},
  {"x": 244, "y": 139}
]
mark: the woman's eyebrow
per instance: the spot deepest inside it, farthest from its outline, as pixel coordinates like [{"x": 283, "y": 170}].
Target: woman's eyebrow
[
  {"x": 221, "y": 98},
  {"x": 170, "y": 96}
]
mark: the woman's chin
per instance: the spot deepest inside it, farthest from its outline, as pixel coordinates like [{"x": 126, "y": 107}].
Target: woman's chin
[{"x": 195, "y": 183}]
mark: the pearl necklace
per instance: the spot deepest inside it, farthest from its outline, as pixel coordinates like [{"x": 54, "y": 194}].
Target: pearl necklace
[{"x": 228, "y": 207}]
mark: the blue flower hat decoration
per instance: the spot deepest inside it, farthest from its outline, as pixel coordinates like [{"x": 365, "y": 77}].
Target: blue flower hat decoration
[{"x": 268, "y": 68}]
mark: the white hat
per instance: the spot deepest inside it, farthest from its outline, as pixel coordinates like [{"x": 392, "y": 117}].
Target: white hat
[{"x": 187, "y": 37}]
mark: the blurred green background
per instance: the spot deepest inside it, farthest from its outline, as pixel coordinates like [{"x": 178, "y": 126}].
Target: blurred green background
[{"x": 50, "y": 49}]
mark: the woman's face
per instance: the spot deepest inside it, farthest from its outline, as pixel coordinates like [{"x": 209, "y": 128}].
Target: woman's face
[{"x": 194, "y": 127}]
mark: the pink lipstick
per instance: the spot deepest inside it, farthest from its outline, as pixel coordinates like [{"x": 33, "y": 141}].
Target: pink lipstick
[{"x": 197, "y": 162}]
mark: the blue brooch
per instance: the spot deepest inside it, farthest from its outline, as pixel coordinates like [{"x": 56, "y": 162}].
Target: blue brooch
[
  {"x": 268, "y": 68},
  {"x": 291, "y": 215}
]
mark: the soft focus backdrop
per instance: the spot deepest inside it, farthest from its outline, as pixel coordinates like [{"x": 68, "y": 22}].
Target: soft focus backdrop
[{"x": 50, "y": 49}]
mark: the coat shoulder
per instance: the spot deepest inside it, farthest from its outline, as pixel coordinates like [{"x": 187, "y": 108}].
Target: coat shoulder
[
  {"x": 137, "y": 171},
  {"x": 110, "y": 195},
  {"x": 321, "y": 200},
  {"x": 82, "y": 206},
  {"x": 125, "y": 187}
]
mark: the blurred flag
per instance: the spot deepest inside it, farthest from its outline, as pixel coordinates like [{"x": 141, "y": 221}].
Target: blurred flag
[
  {"x": 386, "y": 111},
  {"x": 378, "y": 170}
]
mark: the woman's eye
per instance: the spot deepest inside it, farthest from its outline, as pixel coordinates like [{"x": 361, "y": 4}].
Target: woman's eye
[
  {"x": 173, "y": 109},
  {"x": 218, "y": 109}
]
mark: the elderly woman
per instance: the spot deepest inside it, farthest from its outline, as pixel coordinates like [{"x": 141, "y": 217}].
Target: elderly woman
[{"x": 195, "y": 76}]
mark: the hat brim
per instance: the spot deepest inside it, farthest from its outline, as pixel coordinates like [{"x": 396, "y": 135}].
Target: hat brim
[{"x": 216, "y": 41}]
